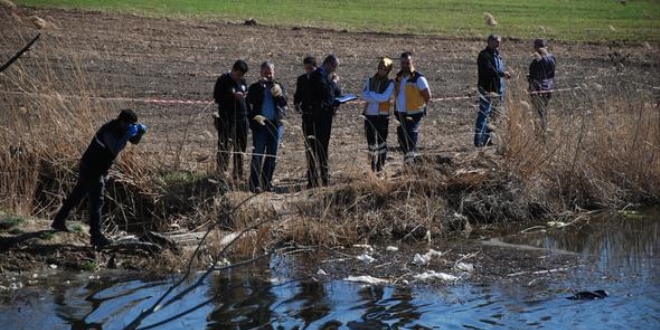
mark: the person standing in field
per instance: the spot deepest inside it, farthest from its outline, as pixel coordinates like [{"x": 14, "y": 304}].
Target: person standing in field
[
  {"x": 377, "y": 93},
  {"x": 94, "y": 165},
  {"x": 266, "y": 102},
  {"x": 541, "y": 80},
  {"x": 412, "y": 94},
  {"x": 323, "y": 90},
  {"x": 231, "y": 122},
  {"x": 303, "y": 104},
  {"x": 491, "y": 76}
]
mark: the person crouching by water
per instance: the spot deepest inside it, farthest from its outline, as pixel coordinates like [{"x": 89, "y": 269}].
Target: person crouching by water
[
  {"x": 266, "y": 104},
  {"x": 412, "y": 94},
  {"x": 377, "y": 93},
  {"x": 231, "y": 122},
  {"x": 107, "y": 143}
]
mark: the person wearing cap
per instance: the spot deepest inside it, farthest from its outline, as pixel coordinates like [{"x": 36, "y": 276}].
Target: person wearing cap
[
  {"x": 94, "y": 165},
  {"x": 231, "y": 121},
  {"x": 491, "y": 74},
  {"x": 411, "y": 94},
  {"x": 541, "y": 80},
  {"x": 266, "y": 102},
  {"x": 323, "y": 90},
  {"x": 377, "y": 93}
]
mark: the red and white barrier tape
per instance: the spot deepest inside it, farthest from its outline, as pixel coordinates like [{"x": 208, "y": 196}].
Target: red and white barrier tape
[{"x": 209, "y": 102}]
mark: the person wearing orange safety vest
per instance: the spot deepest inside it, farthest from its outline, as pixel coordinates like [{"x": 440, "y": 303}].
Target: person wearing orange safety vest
[
  {"x": 377, "y": 93},
  {"x": 411, "y": 93}
]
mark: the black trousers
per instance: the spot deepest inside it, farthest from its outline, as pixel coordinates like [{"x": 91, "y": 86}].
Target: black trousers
[
  {"x": 317, "y": 127},
  {"x": 376, "y": 130},
  {"x": 92, "y": 187},
  {"x": 232, "y": 140}
]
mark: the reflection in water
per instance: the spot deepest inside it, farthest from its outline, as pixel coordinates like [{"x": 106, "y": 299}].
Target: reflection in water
[{"x": 625, "y": 250}]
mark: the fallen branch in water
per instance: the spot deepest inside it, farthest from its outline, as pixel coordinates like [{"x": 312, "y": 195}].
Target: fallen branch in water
[{"x": 542, "y": 272}]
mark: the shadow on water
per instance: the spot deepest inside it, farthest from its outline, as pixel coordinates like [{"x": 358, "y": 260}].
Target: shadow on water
[{"x": 622, "y": 252}]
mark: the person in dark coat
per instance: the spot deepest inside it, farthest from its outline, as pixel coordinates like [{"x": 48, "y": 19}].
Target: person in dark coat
[
  {"x": 266, "y": 103},
  {"x": 107, "y": 143},
  {"x": 231, "y": 122},
  {"x": 303, "y": 105},
  {"x": 323, "y": 90},
  {"x": 541, "y": 80},
  {"x": 491, "y": 85}
]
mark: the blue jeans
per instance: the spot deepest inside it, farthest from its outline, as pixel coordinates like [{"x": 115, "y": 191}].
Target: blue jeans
[
  {"x": 408, "y": 134},
  {"x": 481, "y": 132},
  {"x": 266, "y": 140}
]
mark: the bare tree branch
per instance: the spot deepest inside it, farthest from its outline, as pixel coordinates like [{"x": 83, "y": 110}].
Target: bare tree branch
[
  {"x": 20, "y": 52},
  {"x": 163, "y": 301}
]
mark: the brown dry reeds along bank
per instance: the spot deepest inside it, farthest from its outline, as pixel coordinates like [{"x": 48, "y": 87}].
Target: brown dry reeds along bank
[{"x": 602, "y": 150}]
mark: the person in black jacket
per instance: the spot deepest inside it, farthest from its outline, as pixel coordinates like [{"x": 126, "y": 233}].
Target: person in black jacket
[
  {"x": 107, "y": 143},
  {"x": 323, "y": 90},
  {"x": 541, "y": 80},
  {"x": 491, "y": 84},
  {"x": 266, "y": 102},
  {"x": 231, "y": 122},
  {"x": 303, "y": 104}
]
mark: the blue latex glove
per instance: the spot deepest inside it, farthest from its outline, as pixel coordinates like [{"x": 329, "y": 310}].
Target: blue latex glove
[{"x": 136, "y": 129}]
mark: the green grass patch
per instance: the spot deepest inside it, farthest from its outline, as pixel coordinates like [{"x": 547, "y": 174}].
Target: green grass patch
[
  {"x": 88, "y": 265},
  {"x": 7, "y": 222},
  {"x": 591, "y": 20},
  {"x": 47, "y": 235}
]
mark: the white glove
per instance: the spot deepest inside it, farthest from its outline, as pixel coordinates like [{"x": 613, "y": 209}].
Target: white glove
[
  {"x": 260, "y": 119},
  {"x": 276, "y": 90}
]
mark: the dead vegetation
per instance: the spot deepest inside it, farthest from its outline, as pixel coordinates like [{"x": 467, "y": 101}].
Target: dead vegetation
[{"x": 602, "y": 152}]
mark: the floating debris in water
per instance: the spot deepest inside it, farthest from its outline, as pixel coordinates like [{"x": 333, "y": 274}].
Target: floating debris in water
[
  {"x": 589, "y": 295},
  {"x": 433, "y": 275},
  {"x": 367, "y": 279}
]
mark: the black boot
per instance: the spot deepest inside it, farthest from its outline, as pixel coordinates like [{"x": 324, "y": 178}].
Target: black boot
[
  {"x": 59, "y": 226},
  {"x": 100, "y": 241}
]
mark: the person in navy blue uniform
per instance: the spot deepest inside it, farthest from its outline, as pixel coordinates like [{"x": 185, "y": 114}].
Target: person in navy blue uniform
[
  {"x": 491, "y": 85},
  {"x": 266, "y": 102},
  {"x": 94, "y": 165},
  {"x": 323, "y": 89}
]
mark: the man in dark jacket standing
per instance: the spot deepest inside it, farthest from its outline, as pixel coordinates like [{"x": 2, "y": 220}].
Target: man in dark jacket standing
[
  {"x": 323, "y": 90},
  {"x": 266, "y": 103},
  {"x": 541, "y": 80},
  {"x": 303, "y": 104},
  {"x": 107, "y": 143},
  {"x": 491, "y": 84},
  {"x": 232, "y": 124}
]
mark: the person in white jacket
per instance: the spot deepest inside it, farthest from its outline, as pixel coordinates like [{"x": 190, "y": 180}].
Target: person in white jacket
[{"x": 377, "y": 93}]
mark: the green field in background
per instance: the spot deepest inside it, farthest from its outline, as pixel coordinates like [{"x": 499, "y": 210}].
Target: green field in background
[{"x": 593, "y": 20}]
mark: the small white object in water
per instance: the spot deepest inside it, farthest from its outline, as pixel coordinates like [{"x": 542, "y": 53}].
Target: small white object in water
[
  {"x": 556, "y": 224},
  {"x": 392, "y": 248},
  {"x": 366, "y": 258},
  {"x": 366, "y": 279},
  {"x": 321, "y": 272},
  {"x": 420, "y": 260},
  {"x": 464, "y": 267},
  {"x": 364, "y": 246},
  {"x": 432, "y": 275},
  {"x": 53, "y": 266}
]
